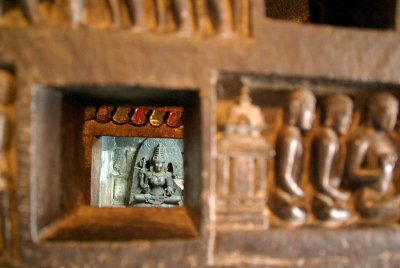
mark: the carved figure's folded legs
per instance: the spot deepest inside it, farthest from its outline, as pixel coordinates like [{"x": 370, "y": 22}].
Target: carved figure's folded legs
[
  {"x": 286, "y": 208},
  {"x": 372, "y": 205},
  {"x": 325, "y": 209}
]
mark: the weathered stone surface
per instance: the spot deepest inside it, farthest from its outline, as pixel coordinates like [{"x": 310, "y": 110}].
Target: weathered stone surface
[{"x": 99, "y": 57}]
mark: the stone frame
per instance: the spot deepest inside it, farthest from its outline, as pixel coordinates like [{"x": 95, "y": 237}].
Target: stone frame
[
  {"x": 50, "y": 55},
  {"x": 60, "y": 208}
]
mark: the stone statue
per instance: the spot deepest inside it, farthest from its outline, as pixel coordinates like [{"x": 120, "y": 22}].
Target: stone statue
[
  {"x": 329, "y": 202},
  {"x": 156, "y": 184},
  {"x": 371, "y": 159},
  {"x": 286, "y": 201}
]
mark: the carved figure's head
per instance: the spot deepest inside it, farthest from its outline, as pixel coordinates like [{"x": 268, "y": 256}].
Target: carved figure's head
[
  {"x": 300, "y": 109},
  {"x": 338, "y": 111},
  {"x": 159, "y": 157},
  {"x": 382, "y": 111}
]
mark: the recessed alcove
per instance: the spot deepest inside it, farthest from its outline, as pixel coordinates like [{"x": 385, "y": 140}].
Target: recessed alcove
[
  {"x": 355, "y": 13},
  {"x": 269, "y": 93},
  {"x": 62, "y": 171},
  {"x": 345, "y": 13},
  {"x": 248, "y": 218}
]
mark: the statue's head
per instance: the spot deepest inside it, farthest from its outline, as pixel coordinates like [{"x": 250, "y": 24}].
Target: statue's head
[
  {"x": 300, "y": 109},
  {"x": 382, "y": 111},
  {"x": 337, "y": 112},
  {"x": 159, "y": 157}
]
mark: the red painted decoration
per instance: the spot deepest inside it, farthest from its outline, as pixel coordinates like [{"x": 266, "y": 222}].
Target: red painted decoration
[
  {"x": 104, "y": 113},
  {"x": 174, "y": 119},
  {"x": 138, "y": 117}
]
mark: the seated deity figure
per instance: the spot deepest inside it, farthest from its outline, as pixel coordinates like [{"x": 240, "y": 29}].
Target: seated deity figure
[
  {"x": 371, "y": 160},
  {"x": 330, "y": 203},
  {"x": 286, "y": 201},
  {"x": 156, "y": 183}
]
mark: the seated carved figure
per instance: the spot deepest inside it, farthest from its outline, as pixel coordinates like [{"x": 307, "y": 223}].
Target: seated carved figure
[
  {"x": 329, "y": 202},
  {"x": 372, "y": 156},
  {"x": 286, "y": 201},
  {"x": 157, "y": 185}
]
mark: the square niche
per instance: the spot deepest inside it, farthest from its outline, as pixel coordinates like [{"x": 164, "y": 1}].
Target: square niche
[{"x": 94, "y": 174}]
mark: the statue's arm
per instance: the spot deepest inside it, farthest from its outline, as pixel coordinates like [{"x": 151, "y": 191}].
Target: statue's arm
[
  {"x": 170, "y": 184},
  {"x": 356, "y": 156},
  {"x": 325, "y": 156},
  {"x": 143, "y": 182},
  {"x": 170, "y": 181},
  {"x": 287, "y": 151}
]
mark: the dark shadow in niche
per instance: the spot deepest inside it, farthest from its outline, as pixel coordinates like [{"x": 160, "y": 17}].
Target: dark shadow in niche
[
  {"x": 61, "y": 195},
  {"x": 354, "y": 13},
  {"x": 347, "y": 13},
  {"x": 292, "y": 10}
]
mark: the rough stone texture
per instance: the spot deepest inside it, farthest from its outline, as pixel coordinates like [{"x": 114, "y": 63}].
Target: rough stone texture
[
  {"x": 46, "y": 55},
  {"x": 288, "y": 10}
]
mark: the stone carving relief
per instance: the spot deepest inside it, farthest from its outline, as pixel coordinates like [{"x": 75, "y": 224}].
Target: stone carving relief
[
  {"x": 286, "y": 202},
  {"x": 372, "y": 158},
  {"x": 330, "y": 202},
  {"x": 329, "y": 169},
  {"x": 137, "y": 116},
  {"x": 242, "y": 168},
  {"x": 158, "y": 170},
  {"x": 201, "y": 17},
  {"x": 137, "y": 171}
]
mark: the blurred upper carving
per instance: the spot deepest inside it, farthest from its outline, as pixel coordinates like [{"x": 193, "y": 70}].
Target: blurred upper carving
[{"x": 190, "y": 17}]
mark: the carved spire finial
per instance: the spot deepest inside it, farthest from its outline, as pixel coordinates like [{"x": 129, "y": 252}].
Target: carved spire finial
[
  {"x": 159, "y": 153},
  {"x": 244, "y": 95}
]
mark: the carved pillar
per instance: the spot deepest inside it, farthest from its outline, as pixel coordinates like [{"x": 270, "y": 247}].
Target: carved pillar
[
  {"x": 137, "y": 10},
  {"x": 261, "y": 166},
  {"x": 166, "y": 20},
  {"x": 32, "y": 10},
  {"x": 226, "y": 11},
  {"x": 245, "y": 18},
  {"x": 76, "y": 10},
  {"x": 116, "y": 13},
  {"x": 187, "y": 16},
  {"x": 150, "y": 12},
  {"x": 204, "y": 20}
]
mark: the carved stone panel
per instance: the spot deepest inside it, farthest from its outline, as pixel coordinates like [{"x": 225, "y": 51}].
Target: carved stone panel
[
  {"x": 186, "y": 17},
  {"x": 300, "y": 152}
]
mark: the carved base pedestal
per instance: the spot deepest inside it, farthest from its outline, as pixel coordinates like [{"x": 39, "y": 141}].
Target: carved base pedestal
[{"x": 241, "y": 214}]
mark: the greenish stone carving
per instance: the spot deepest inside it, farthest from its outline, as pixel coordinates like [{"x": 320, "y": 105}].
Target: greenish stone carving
[
  {"x": 158, "y": 169},
  {"x": 125, "y": 160}
]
